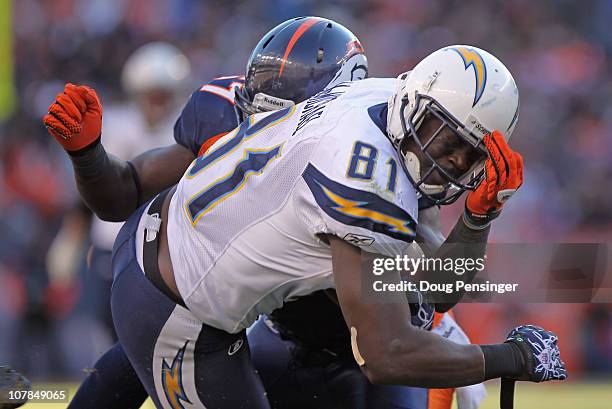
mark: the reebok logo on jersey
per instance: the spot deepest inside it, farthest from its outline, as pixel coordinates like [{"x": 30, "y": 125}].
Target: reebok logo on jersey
[
  {"x": 235, "y": 347},
  {"x": 358, "y": 240}
]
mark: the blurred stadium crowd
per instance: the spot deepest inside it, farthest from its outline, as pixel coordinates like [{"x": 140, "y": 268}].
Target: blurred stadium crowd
[{"x": 558, "y": 51}]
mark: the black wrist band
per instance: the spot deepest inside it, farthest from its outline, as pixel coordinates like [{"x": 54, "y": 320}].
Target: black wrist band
[
  {"x": 90, "y": 161},
  {"x": 86, "y": 149},
  {"x": 466, "y": 232},
  {"x": 502, "y": 360},
  {"x": 478, "y": 221}
]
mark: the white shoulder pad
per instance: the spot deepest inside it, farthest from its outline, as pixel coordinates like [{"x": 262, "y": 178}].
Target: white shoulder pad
[{"x": 359, "y": 187}]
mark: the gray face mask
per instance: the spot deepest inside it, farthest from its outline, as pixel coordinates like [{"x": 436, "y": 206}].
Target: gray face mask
[{"x": 456, "y": 185}]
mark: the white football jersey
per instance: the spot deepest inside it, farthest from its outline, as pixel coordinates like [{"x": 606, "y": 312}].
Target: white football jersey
[{"x": 245, "y": 222}]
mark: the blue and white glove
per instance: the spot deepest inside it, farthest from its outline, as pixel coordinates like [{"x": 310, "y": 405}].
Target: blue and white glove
[
  {"x": 540, "y": 352},
  {"x": 421, "y": 313}
]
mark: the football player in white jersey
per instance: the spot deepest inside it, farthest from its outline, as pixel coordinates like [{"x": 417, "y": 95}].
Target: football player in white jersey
[
  {"x": 286, "y": 203},
  {"x": 303, "y": 362}
]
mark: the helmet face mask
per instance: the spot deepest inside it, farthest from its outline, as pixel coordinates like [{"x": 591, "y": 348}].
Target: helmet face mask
[{"x": 427, "y": 107}]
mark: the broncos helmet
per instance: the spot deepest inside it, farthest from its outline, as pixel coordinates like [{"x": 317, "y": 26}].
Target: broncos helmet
[{"x": 297, "y": 59}]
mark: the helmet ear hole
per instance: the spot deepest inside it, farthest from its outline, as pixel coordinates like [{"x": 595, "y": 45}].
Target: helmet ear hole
[{"x": 320, "y": 54}]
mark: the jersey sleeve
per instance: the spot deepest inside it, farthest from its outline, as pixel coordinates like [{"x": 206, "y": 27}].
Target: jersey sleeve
[
  {"x": 209, "y": 113},
  {"x": 185, "y": 128},
  {"x": 361, "y": 196}
]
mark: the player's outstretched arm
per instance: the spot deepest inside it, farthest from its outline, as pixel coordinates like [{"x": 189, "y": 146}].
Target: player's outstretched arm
[
  {"x": 111, "y": 188},
  {"x": 392, "y": 351}
]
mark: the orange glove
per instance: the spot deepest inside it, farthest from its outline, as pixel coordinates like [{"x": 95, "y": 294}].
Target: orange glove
[
  {"x": 503, "y": 176},
  {"x": 75, "y": 118}
]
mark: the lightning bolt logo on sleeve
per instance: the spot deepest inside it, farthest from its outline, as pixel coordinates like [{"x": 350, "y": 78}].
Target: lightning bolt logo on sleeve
[
  {"x": 172, "y": 380},
  {"x": 471, "y": 58},
  {"x": 359, "y": 208},
  {"x": 356, "y": 209}
]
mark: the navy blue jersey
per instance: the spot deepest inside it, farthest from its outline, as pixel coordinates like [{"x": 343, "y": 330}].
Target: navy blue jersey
[{"x": 209, "y": 114}]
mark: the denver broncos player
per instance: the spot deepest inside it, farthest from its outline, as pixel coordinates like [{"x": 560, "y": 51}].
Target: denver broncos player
[
  {"x": 314, "y": 52},
  {"x": 326, "y": 201}
]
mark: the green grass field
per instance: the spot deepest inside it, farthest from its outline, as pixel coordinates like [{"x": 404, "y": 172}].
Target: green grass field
[{"x": 573, "y": 395}]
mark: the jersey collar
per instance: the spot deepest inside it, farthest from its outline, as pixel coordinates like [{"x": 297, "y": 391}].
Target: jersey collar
[{"x": 378, "y": 115}]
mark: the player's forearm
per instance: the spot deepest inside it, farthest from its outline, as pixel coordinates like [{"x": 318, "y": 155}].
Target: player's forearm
[
  {"x": 424, "y": 359},
  {"x": 462, "y": 243},
  {"x": 105, "y": 183}
]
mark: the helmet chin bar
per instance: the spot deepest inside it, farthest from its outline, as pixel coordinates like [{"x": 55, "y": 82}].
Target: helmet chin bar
[
  {"x": 455, "y": 187},
  {"x": 264, "y": 102},
  {"x": 259, "y": 103},
  {"x": 413, "y": 166}
]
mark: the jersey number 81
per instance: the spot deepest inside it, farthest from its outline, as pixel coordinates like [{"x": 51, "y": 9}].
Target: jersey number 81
[{"x": 362, "y": 164}]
